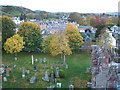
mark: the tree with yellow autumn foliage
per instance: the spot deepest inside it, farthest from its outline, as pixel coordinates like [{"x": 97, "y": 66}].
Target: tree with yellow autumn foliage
[
  {"x": 75, "y": 38},
  {"x": 32, "y": 36},
  {"x": 60, "y": 45},
  {"x": 14, "y": 44},
  {"x": 109, "y": 20}
]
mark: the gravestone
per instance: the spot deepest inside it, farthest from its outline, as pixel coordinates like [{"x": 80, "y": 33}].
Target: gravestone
[
  {"x": 3, "y": 65},
  {"x": 15, "y": 58},
  {"x": 44, "y": 66},
  {"x": 40, "y": 61},
  {"x": 23, "y": 72},
  {"x": 4, "y": 79},
  {"x": 36, "y": 60},
  {"x": 52, "y": 77},
  {"x": 35, "y": 68},
  {"x": 57, "y": 72},
  {"x": 58, "y": 85},
  {"x": 7, "y": 73},
  {"x": 51, "y": 67},
  {"x": 23, "y": 76},
  {"x": 66, "y": 66},
  {"x": 2, "y": 70},
  {"x": 87, "y": 70},
  {"x": 32, "y": 60},
  {"x": 14, "y": 66},
  {"x": 28, "y": 71},
  {"x": 33, "y": 79},
  {"x": 46, "y": 78},
  {"x": 44, "y": 60}
]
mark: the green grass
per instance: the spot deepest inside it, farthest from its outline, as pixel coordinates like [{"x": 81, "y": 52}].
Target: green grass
[{"x": 77, "y": 66}]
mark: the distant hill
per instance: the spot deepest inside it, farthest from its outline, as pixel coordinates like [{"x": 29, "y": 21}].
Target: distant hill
[
  {"x": 14, "y": 10},
  {"x": 37, "y": 11}
]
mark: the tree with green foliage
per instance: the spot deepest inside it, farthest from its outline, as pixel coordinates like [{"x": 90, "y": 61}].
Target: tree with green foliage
[
  {"x": 99, "y": 28},
  {"x": 32, "y": 36},
  {"x": 8, "y": 28},
  {"x": 14, "y": 44},
  {"x": 75, "y": 17},
  {"x": 75, "y": 38},
  {"x": 46, "y": 44}
]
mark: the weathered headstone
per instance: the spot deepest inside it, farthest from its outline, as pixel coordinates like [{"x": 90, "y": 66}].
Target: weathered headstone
[
  {"x": 33, "y": 79},
  {"x": 87, "y": 70},
  {"x": 23, "y": 76},
  {"x": 52, "y": 77},
  {"x": 36, "y": 60},
  {"x": 2, "y": 70},
  {"x": 40, "y": 61},
  {"x": 44, "y": 60},
  {"x": 35, "y": 68},
  {"x": 32, "y": 60},
  {"x": 3, "y": 65},
  {"x": 4, "y": 79},
  {"x": 51, "y": 67},
  {"x": 15, "y": 58},
  {"x": 44, "y": 66},
  {"x": 57, "y": 72},
  {"x": 28, "y": 71},
  {"x": 23, "y": 73},
  {"x": 14, "y": 66},
  {"x": 7, "y": 73},
  {"x": 46, "y": 78},
  {"x": 66, "y": 66}
]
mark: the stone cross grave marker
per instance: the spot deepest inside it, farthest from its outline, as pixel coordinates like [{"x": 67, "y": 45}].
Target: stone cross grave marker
[
  {"x": 4, "y": 79},
  {"x": 57, "y": 72}
]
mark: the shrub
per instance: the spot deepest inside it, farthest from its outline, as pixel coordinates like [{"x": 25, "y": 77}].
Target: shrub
[{"x": 62, "y": 73}]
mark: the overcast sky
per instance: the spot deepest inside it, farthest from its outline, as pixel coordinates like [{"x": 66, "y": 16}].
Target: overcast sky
[{"x": 82, "y": 6}]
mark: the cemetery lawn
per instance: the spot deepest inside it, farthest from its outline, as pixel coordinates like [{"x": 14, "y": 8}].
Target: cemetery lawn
[{"x": 75, "y": 74}]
